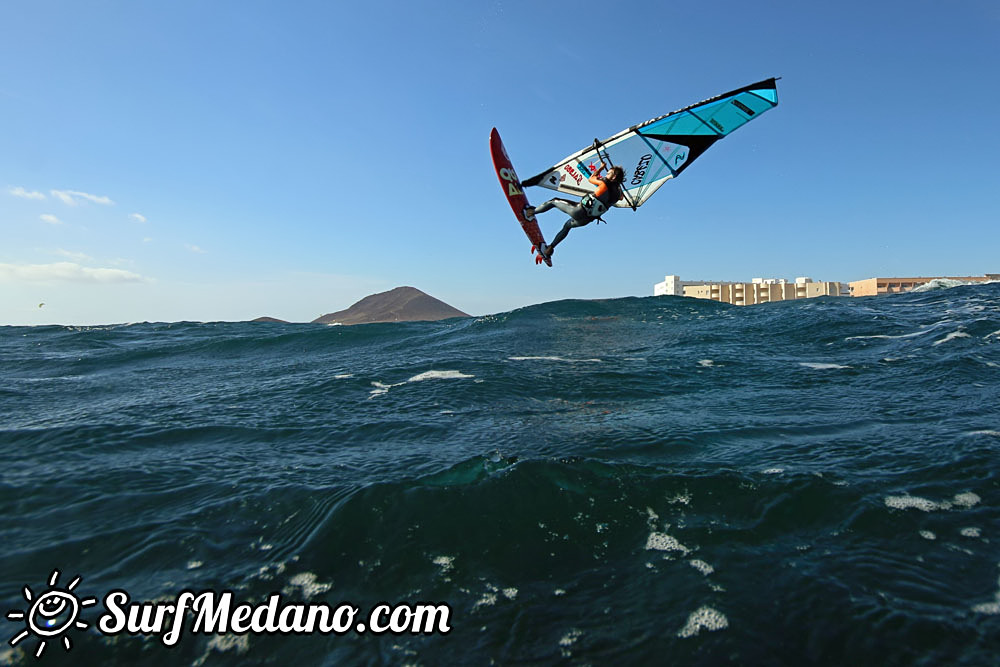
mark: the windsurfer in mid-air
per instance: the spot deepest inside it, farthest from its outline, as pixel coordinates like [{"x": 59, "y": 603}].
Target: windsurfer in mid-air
[{"x": 590, "y": 208}]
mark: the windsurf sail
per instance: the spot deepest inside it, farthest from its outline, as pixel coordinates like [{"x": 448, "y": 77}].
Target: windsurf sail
[{"x": 653, "y": 152}]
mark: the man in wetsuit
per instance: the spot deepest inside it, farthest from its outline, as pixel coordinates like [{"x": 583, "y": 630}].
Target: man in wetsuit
[{"x": 588, "y": 209}]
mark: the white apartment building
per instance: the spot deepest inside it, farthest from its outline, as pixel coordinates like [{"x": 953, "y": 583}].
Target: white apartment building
[{"x": 759, "y": 290}]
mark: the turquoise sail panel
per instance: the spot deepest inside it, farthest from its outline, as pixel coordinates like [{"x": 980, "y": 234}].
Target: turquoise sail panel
[
  {"x": 770, "y": 95},
  {"x": 659, "y": 149}
]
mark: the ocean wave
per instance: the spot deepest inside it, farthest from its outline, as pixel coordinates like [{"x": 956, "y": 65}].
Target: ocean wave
[
  {"x": 952, "y": 336},
  {"x": 822, "y": 366},
  {"x": 554, "y": 358},
  {"x": 961, "y": 500},
  {"x": 382, "y": 388},
  {"x": 948, "y": 283},
  {"x": 674, "y": 461}
]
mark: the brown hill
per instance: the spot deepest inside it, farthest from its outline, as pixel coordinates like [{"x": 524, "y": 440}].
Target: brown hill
[
  {"x": 402, "y": 304},
  {"x": 272, "y": 320}
]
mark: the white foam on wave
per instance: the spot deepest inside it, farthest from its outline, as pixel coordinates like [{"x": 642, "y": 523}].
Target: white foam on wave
[
  {"x": 967, "y": 499},
  {"x": 10, "y": 656},
  {"x": 563, "y": 359},
  {"x": 821, "y": 366},
  {"x": 308, "y": 584},
  {"x": 706, "y": 363},
  {"x": 995, "y": 434},
  {"x": 382, "y": 388},
  {"x": 888, "y": 337},
  {"x": 952, "y": 336},
  {"x": 440, "y": 375},
  {"x": 651, "y": 517},
  {"x": 487, "y": 600},
  {"x": 663, "y": 542},
  {"x": 942, "y": 283},
  {"x": 915, "y": 502},
  {"x": 928, "y": 535},
  {"x": 961, "y": 500},
  {"x": 446, "y": 563},
  {"x": 971, "y": 532},
  {"x": 992, "y": 608},
  {"x": 270, "y": 571},
  {"x": 703, "y": 618},
  {"x": 570, "y": 637},
  {"x": 222, "y": 643},
  {"x": 101, "y": 327},
  {"x": 701, "y": 566}
]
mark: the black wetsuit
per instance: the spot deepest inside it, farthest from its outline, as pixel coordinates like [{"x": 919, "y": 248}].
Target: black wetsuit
[{"x": 583, "y": 212}]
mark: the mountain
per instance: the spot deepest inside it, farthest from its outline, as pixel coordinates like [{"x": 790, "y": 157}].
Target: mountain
[
  {"x": 270, "y": 319},
  {"x": 402, "y": 304}
]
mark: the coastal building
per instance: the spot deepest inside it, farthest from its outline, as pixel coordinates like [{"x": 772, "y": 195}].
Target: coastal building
[
  {"x": 873, "y": 286},
  {"x": 759, "y": 290}
]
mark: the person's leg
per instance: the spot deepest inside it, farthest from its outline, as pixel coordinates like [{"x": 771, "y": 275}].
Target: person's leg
[
  {"x": 564, "y": 205},
  {"x": 572, "y": 223},
  {"x": 578, "y": 218}
]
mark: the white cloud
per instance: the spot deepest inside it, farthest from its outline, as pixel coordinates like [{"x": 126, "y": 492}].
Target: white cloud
[
  {"x": 70, "y": 197},
  {"x": 194, "y": 248},
  {"x": 49, "y": 218},
  {"x": 138, "y": 217},
  {"x": 147, "y": 239},
  {"x": 64, "y": 196},
  {"x": 66, "y": 272},
  {"x": 77, "y": 256},
  {"x": 24, "y": 194}
]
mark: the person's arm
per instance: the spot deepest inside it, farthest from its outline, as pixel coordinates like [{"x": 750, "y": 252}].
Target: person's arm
[{"x": 595, "y": 178}]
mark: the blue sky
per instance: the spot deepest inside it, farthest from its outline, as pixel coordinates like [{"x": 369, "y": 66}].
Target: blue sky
[{"x": 170, "y": 161}]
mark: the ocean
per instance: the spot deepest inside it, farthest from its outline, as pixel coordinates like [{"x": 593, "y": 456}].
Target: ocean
[{"x": 633, "y": 481}]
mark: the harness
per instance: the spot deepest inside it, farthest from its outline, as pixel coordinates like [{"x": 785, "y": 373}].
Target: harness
[{"x": 594, "y": 207}]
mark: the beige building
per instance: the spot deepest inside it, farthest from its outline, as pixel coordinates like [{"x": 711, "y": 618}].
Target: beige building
[
  {"x": 873, "y": 286},
  {"x": 760, "y": 290}
]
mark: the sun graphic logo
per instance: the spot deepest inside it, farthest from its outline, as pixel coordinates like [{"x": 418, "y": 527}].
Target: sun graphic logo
[{"x": 51, "y": 614}]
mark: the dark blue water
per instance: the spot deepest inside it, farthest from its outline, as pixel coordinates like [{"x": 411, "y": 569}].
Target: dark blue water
[{"x": 643, "y": 480}]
